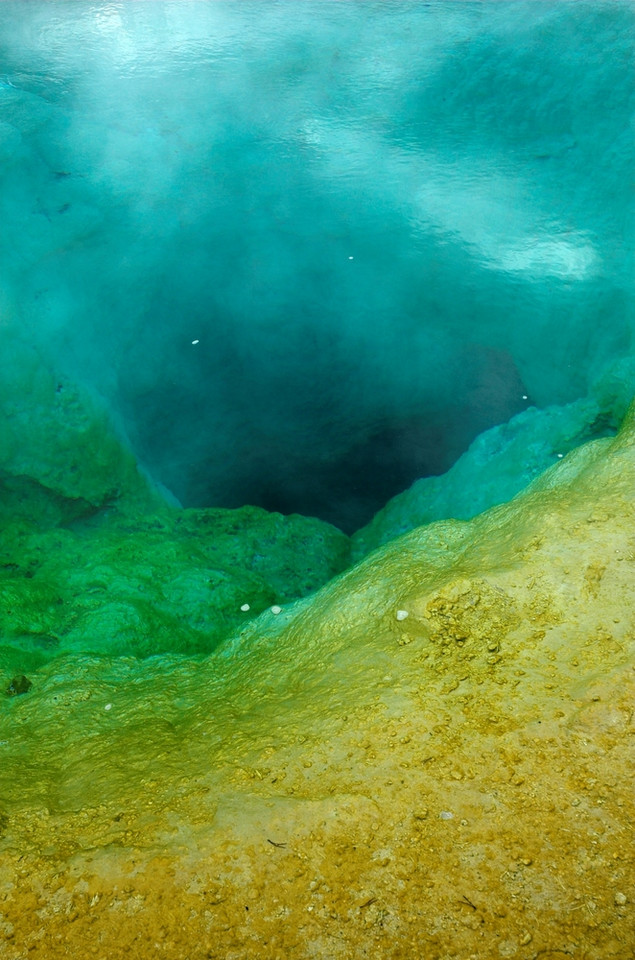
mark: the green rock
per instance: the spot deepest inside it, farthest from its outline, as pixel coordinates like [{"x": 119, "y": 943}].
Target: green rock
[
  {"x": 18, "y": 686},
  {"x": 60, "y": 456},
  {"x": 499, "y": 464},
  {"x": 173, "y": 581}
]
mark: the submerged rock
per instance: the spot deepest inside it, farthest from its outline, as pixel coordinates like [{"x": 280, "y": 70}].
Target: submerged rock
[
  {"x": 60, "y": 456},
  {"x": 497, "y": 466},
  {"x": 18, "y": 686},
  {"x": 176, "y": 581}
]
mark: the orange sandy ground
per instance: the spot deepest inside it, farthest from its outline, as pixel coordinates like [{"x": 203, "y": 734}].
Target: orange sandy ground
[{"x": 537, "y": 860}]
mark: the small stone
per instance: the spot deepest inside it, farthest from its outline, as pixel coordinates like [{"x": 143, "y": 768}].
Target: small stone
[
  {"x": 619, "y": 899},
  {"x": 276, "y": 609},
  {"x": 401, "y": 614},
  {"x": 245, "y": 607},
  {"x": 526, "y": 939},
  {"x": 18, "y": 686}
]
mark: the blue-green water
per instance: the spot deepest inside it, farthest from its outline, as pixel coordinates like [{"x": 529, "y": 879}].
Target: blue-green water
[{"x": 307, "y": 251}]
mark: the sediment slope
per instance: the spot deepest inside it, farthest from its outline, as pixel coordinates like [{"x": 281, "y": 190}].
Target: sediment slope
[{"x": 344, "y": 781}]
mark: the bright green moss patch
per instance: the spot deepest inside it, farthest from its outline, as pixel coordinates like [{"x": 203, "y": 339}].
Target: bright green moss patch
[{"x": 171, "y": 582}]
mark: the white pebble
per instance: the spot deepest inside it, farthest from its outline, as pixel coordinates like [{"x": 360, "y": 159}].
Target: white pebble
[
  {"x": 446, "y": 815},
  {"x": 108, "y": 706},
  {"x": 276, "y": 609},
  {"x": 560, "y": 456},
  {"x": 195, "y": 341},
  {"x": 350, "y": 258},
  {"x": 401, "y": 614},
  {"x": 245, "y": 607},
  {"x": 525, "y": 397}
]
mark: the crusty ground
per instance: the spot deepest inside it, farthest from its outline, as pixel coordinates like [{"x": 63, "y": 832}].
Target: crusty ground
[{"x": 456, "y": 784}]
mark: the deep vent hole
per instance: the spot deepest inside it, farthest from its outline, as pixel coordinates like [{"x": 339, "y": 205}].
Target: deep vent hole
[{"x": 305, "y": 450}]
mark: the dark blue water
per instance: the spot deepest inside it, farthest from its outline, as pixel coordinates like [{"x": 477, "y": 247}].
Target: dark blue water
[{"x": 307, "y": 251}]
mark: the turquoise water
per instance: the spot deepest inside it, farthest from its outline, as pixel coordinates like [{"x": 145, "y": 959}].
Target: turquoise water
[{"x": 305, "y": 252}]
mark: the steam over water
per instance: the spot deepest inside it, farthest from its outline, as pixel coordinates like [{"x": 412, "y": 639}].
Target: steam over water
[{"x": 308, "y": 251}]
